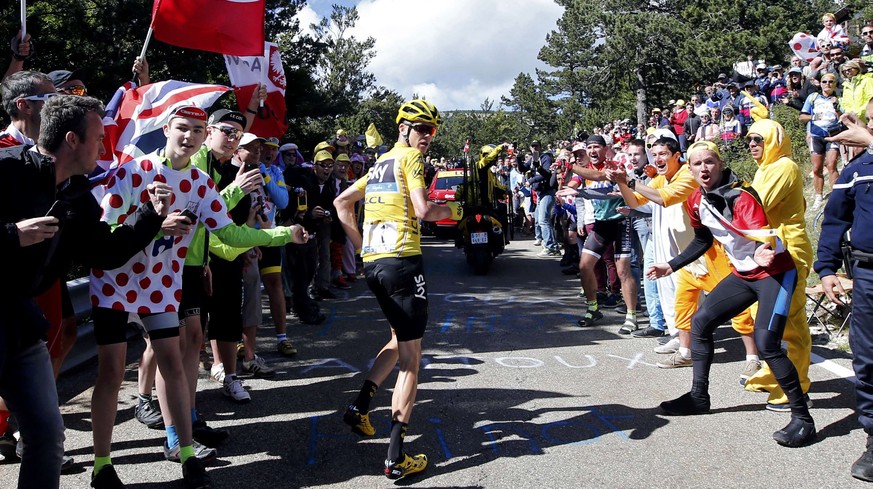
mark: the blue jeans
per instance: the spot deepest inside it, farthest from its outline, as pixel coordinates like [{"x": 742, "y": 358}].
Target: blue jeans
[
  {"x": 653, "y": 302},
  {"x": 545, "y": 208},
  {"x": 27, "y": 384}
]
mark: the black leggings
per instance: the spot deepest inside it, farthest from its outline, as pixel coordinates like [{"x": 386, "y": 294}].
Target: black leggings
[{"x": 730, "y": 297}]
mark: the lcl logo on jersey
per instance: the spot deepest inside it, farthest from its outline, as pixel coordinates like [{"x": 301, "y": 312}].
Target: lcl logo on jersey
[{"x": 420, "y": 291}]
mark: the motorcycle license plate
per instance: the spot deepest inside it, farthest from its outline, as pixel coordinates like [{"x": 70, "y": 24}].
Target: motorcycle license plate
[{"x": 479, "y": 238}]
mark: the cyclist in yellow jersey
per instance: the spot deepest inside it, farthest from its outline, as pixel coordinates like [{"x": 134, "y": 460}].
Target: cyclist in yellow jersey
[{"x": 394, "y": 201}]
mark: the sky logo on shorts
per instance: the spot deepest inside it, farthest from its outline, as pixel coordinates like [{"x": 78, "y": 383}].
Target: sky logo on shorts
[{"x": 420, "y": 291}]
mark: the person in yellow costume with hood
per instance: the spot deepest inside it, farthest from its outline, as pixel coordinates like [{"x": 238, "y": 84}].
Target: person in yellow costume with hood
[{"x": 779, "y": 184}]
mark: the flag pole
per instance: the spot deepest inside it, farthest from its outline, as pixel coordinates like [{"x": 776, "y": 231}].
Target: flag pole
[
  {"x": 265, "y": 69},
  {"x": 23, "y": 19},
  {"x": 145, "y": 47}
]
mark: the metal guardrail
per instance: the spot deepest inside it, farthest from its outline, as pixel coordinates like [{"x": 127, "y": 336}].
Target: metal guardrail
[{"x": 85, "y": 348}]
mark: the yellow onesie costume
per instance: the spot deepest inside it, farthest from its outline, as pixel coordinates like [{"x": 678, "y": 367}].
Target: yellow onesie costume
[{"x": 779, "y": 183}]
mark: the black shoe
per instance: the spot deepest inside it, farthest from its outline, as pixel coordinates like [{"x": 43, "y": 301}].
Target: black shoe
[
  {"x": 650, "y": 332},
  {"x": 314, "y": 295},
  {"x": 107, "y": 479},
  {"x": 863, "y": 467},
  {"x": 7, "y": 447},
  {"x": 206, "y": 435},
  {"x": 611, "y": 302},
  {"x": 570, "y": 270},
  {"x": 315, "y": 319},
  {"x": 686, "y": 405},
  {"x": 68, "y": 463},
  {"x": 797, "y": 433},
  {"x": 194, "y": 474},
  {"x": 590, "y": 318},
  {"x": 326, "y": 294},
  {"x": 149, "y": 414}
]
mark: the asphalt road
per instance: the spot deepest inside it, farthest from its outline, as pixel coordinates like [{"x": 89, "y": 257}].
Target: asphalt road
[{"x": 512, "y": 394}]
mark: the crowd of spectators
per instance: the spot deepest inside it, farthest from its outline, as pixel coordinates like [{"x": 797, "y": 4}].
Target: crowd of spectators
[{"x": 272, "y": 184}]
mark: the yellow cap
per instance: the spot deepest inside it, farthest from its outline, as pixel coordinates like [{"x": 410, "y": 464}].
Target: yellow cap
[
  {"x": 702, "y": 146},
  {"x": 322, "y": 156}
]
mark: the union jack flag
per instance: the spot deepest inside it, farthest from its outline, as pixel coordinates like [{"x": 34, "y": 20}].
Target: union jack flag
[{"x": 135, "y": 116}]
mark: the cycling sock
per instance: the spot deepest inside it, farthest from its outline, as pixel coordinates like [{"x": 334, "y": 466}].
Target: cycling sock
[
  {"x": 395, "y": 445},
  {"x": 592, "y": 305},
  {"x": 185, "y": 453},
  {"x": 362, "y": 402},
  {"x": 144, "y": 398},
  {"x": 100, "y": 462},
  {"x": 749, "y": 358},
  {"x": 172, "y": 436},
  {"x": 631, "y": 316},
  {"x": 281, "y": 337},
  {"x": 4, "y": 421}
]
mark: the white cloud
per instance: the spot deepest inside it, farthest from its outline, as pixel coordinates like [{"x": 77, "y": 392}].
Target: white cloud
[{"x": 454, "y": 52}]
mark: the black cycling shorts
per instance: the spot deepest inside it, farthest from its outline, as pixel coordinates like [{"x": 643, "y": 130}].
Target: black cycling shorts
[
  {"x": 193, "y": 294},
  {"x": 110, "y": 325},
  {"x": 400, "y": 288},
  {"x": 604, "y": 233},
  {"x": 271, "y": 260}
]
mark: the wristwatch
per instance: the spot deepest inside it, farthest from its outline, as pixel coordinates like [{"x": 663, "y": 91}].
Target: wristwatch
[{"x": 632, "y": 183}]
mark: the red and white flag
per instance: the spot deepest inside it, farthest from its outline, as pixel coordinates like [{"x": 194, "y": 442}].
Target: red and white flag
[
  {"x": 222, "y": 26},
  {"x": 135, "y": 116},
  {"x": 804, "y": 46},
  {"x": 246, "y": 73}
]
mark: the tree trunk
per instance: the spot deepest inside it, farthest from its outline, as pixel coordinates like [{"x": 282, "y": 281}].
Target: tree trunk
[{"x": 642, "y": 110}]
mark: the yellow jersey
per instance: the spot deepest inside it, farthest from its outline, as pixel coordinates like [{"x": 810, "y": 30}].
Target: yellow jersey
[{"x": 391, "y": 228}]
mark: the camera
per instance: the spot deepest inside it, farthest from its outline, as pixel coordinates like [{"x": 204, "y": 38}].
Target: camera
[
  {"x": 836, "y": 129},
  {"x": 326, "y": 213}
]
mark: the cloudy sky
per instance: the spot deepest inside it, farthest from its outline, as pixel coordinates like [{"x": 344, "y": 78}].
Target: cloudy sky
[{"x": 454, "y": 52}]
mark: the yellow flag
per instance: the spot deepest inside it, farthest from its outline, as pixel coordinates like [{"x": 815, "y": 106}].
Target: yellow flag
[{"x": 374, "y": 140}]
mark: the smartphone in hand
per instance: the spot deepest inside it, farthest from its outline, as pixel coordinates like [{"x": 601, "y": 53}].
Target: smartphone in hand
[{"x": 190, "y": 215}]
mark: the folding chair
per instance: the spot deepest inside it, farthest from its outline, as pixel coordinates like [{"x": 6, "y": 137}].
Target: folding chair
[{"x": 819, "y": 299}]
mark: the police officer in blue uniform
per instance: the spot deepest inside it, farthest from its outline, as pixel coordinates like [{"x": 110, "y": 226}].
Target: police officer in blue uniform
[{"x": 850, "y": 207}]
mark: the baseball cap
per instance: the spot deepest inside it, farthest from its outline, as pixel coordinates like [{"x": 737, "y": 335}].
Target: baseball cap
[
  {"x": 274, "y": 142},
  {"x": 323, "y": 156},
  {"x": 761, "y": 66},
  {"x": 722, "y": 76},
  {"x": 728, "y": 110},
  {"x": 579, "y": 146},
  {"x": 596, "y": 139},
  {"x": 59, "y": 77},
  {"x": 248, "y": 137},
  {"x": 777, "y": 68},
  {"x": 535, "y": 143},
  {"x": 288, "y": 147},
  {"x": 224, "y": 115},
  {"x": 656, "y": 110},
  {"x": 795, "y": 69},
  {"x": 750, "y": 83},
  {"x": 343, "y": 157},
  {"x": 680, "y": 102},
  {"x": 188, "y": 112},
  {"x": 324, "y": 145}
]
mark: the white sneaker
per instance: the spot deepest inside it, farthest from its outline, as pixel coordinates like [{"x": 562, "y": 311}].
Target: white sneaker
[
  {"x": 668, "y": 348},
  {"x": 538, "y": 242},
  {"x": 816, "y": 204},
  {"x": 202, "y": 452},
  {"x": 216, "y": 373},
  {"x": 233, "y": 389}
]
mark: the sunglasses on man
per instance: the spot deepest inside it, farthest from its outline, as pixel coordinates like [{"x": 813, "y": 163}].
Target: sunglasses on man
[
  {"x": 79, "y": 90},
  {"x": 39, "y": 98},
  {"x": 423, "y": 129},
  {"x": 232, "y": 133}
]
